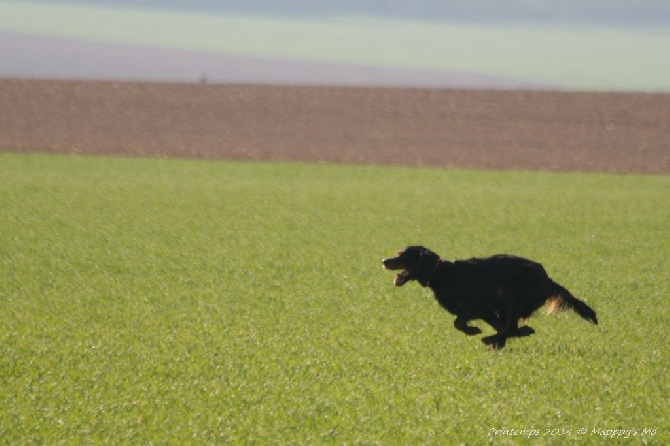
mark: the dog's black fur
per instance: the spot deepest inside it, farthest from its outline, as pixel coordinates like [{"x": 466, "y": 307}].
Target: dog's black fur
[{"x": 500, "y": 290}]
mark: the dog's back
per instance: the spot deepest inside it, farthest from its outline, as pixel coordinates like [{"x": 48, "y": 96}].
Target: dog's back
[
  {"x": 493, "y": 271},
  {"x": 482, "y": 283}
]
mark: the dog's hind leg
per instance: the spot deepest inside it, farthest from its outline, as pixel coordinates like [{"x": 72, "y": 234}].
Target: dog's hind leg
[
  {"x": 495, "y": 321},
  {"x": 498, "y": 340}
]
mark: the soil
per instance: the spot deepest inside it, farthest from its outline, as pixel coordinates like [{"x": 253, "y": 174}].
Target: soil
[{"x": 489, "y": 129}]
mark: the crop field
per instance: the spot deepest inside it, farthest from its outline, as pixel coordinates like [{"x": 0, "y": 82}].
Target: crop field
[{"x": 154, "y": 301}]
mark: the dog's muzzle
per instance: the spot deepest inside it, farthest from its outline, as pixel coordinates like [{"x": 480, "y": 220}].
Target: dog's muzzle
[{"x": 402, "y": 277}]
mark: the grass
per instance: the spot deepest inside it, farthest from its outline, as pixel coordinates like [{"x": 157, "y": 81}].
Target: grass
[
  {"x": 163, "y": 301},
  {"x": 585, "y": 58}
]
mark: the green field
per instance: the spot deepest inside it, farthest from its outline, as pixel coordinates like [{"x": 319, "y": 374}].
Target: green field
[
  {"x": 571, "y": 57},
  {"x": 190, "y": 302}
]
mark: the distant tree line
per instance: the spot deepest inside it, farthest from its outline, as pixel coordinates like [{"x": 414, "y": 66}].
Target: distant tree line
[{"x": 594, "y": 12}]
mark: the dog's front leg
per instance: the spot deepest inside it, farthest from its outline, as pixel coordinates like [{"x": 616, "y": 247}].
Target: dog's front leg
[
  {"x": 494, "y": 320},
  {"x": 461, "y": 323}
]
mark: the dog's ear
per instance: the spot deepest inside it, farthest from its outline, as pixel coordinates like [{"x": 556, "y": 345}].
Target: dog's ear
[{"x": 427, "y": 262}]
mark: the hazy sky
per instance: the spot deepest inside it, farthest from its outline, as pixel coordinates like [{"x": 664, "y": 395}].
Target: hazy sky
[
  {"x": 593, "y": 12},
  {"x": 56, "y": 39}
]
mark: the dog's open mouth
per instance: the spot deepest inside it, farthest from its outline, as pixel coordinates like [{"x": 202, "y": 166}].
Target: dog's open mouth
[{"x": 401, "y": 278}]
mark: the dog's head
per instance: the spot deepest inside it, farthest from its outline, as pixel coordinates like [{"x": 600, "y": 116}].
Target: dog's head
[{"x": 416, "y": 262}]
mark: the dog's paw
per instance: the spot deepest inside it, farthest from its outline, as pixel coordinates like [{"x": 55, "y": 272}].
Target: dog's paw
[
  {"x": 493, "y": 342},
  {"x": 524, "y": 331},
  {"x": 470, "y": 331}
]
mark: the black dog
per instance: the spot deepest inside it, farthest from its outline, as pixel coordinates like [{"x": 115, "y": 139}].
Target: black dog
[{"x": 500, "y": 290}]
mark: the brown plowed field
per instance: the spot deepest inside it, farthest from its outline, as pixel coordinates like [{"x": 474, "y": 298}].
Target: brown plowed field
[{"x": 608, "y": 132}]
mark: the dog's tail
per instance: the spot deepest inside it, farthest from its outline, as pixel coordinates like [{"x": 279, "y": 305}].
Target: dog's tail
[{"x": 563, "y": 299}]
